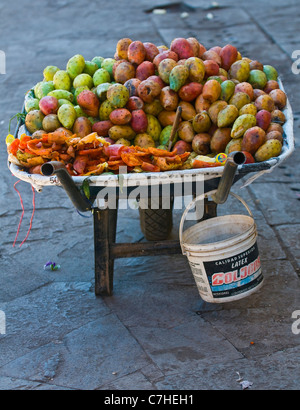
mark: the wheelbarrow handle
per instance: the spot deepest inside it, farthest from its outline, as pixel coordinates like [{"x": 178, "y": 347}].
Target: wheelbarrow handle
[
  {"x": 234, "y": 159},
  {"x": 58, "y": 168}
]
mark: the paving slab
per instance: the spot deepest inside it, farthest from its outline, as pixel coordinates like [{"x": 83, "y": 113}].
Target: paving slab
[
  {"x": 186, "y": 346},
  {"x": 278, "y": 371},
  {"x": 280, "y": 205},
  {"x": 287, "y": 39},
  {"x": 265, "y": 317},
  {"x": 114, "y": 351},
  {"x": 136, "y": 379},
  {"x": 12, "y": 383},
  {"x": 59, "y": 307},
  {"x": 290, "y": 237}
]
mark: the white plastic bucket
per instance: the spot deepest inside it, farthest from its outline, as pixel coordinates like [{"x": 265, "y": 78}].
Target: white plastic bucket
[{"x": 223, "y": 254}]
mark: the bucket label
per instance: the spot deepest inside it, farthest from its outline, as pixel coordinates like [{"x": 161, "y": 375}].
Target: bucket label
[{"x": 234, "y": 275}]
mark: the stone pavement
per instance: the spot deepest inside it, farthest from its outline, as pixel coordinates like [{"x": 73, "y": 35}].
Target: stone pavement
[{"x": 155, "y": 332}]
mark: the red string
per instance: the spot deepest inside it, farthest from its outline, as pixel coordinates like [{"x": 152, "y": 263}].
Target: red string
[
  {"x": 23, "y": 211},
  {"x": 32, "y": 215}
]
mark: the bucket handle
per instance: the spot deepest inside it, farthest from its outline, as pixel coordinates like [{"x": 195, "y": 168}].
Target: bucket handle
[{"x": 198, "y": 198}]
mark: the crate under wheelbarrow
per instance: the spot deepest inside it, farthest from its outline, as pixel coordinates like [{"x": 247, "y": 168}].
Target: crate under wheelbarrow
[{"x": 106, "y": 250}]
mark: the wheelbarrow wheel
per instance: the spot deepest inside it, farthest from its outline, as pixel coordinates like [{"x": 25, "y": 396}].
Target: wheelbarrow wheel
[{"x": 156, "y": 224}]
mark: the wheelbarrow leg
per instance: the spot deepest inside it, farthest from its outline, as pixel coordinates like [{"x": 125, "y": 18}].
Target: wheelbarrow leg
[
  {"x": 210, "y": 209},
  {"x": 105, "y": 226}
]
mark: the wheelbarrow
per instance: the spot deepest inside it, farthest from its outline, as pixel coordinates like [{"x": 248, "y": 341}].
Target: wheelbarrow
[{"x": 155, "y": 220}]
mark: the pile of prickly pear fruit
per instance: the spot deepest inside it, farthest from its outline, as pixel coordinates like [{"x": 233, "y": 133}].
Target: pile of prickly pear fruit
[{"x": 229, "y": 102}]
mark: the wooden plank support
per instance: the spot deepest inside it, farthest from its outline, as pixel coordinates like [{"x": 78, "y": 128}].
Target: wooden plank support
[{"x": 132, "y": 250}]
